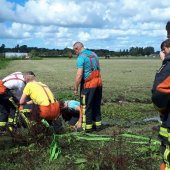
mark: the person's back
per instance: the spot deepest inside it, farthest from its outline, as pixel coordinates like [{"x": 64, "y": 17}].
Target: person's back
[
  {"x": 89, "y": 61},
  {"x": 72, "y": 104},
  {"x": 15, "y": 82},
  {"x": 44, "y": 104},
  {"x": 39, "y": 93}
]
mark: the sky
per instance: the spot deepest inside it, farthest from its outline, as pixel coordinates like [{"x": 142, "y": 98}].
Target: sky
[{"x": 98, "y": 24}]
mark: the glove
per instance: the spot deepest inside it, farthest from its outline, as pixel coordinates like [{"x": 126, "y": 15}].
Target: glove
[{"x": 21, "y": 107}]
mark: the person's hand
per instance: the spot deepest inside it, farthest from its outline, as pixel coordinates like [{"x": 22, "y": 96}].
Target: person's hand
[
  {"x": 76, "y": 92},
  {"x": 79, "y": 125},
  {"x": 21, "y": 107},
  {"x": 162, "y": 55}
]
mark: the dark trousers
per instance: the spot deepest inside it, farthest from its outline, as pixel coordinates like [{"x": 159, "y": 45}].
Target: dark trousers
[
  {"x": 7, "y": 109},
  {"x": 91, "y": 106},
  {"x": 70, "y": 115},
  {"x": 162, "y": 104}
]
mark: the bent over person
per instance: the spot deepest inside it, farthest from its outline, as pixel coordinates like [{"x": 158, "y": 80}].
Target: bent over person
[
  {"x": 89, "y": 79},
  {"x": 161, "y": 100},
  {"x": 11, "y": 88},
  {"x": 44, "y": 104},
  {"x": 71, "y": 112}
]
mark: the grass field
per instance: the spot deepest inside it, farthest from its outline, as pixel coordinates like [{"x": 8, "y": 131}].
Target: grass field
[
  {"x": 126, "y": 102},
  {"x": 122, "y": 79}
]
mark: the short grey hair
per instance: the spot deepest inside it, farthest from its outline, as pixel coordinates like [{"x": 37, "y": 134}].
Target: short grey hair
[
  {"x": 78, "y": 44},
  {"x": 29, "y": 75}
]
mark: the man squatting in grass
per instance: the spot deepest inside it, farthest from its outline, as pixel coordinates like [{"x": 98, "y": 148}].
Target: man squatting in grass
[
  {"x": 89, "y": 79},
  {"x": 44, "y": 104},
  {"x": 161, "y": 100},
  {"x": 11, "y": 88}
]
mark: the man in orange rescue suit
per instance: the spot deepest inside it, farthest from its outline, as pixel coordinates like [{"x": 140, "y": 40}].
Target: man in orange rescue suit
[
  {"x": 89, "y": 79},
  {"x": 161, "y": 100},
  {"x": 44, "y": 104},
  {"x": 11, "y": 88}
]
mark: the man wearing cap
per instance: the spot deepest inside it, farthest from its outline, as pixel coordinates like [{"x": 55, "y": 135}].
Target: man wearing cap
[{"x": 44, "y": 104}]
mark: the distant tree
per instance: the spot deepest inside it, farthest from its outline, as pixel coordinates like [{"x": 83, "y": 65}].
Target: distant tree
[
  {"x": 16, "y": 49},
  {"x": 67, "y": 51},
  {"x": 23, "y": 49},
  {"x": 140, "y": 51},
  {"x": 2, "y": 48},
  {"x": 127, "y": 52},
  {"x": 34, "y": 53},
  {"x": 133, "y": 51},
  {"x": 148, "y": 50},
  {"x": 2, "y": 51},
  {"x": 43, "y": 52},
  {"x": 124, "y": 52}
]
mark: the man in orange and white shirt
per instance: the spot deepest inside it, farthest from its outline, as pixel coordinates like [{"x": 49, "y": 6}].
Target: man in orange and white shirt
[{"x": 11, "y": 88}]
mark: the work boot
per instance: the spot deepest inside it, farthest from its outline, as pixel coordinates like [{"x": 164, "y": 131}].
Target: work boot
[
  {"x": 79, "y": 129},
  {"x": 98, "y": 128},
  {"x": 2, "y": 130},
  {"x": 156, "y": 128},
  {"x": 89, "y": 130}
]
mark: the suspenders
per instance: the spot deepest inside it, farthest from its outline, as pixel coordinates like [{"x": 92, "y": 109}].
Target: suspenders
[
  {"x": 15, "y": 78},
  {"x": 45, "y": 92},
  {"x": 91, "y": 63}
]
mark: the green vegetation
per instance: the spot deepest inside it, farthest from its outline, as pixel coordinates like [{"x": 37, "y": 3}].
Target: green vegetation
[
  {"x": 126, "y": 103},
  {"x": 42, "y": 52},
  {"x": 4, "y": 63}
]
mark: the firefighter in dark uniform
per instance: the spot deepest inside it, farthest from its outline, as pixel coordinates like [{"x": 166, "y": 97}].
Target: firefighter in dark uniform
[
  {"x": 89, "y": 79},
  {"x": 11, "y": 88},
  {"x": 161, "y": 100}
]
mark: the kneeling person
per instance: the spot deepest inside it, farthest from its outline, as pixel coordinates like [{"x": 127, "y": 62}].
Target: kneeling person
[
  {"x": 44, "y": 104},
  {"x": 71, "y": 112}
]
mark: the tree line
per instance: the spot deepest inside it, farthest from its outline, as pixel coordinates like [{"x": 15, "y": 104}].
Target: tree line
[{"x": 45, "y": 52}]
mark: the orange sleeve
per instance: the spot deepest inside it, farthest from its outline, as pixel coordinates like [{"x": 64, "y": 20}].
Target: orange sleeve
[{"x": 164, "y": 87}]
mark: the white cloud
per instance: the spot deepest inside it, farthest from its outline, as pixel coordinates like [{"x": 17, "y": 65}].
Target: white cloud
[
  {"x": 59, "y": 23},
  {"x": 6, "y": 12}
]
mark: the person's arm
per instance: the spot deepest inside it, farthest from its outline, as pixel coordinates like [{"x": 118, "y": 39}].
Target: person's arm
[
  {"x": 29, "y": 102},
  {"x": 79, "y": 125},
  {"x": 23, "y": 99},
  {"x": 78, "y": 79}
]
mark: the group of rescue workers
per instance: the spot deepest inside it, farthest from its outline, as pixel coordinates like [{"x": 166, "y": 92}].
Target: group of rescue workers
[
  {"x": 19, "y": 90},
  {"x": 22, "y": 90}
]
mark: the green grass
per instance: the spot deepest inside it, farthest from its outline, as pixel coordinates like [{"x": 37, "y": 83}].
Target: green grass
[
  {"x": 4, "y": 63},
  {"x": 126, "y": 102},
  {"x": 129, "y": 80}
]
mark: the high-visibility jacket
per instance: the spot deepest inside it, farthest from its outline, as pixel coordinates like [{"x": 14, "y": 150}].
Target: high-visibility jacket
[{"x": 161, "y": 86}]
